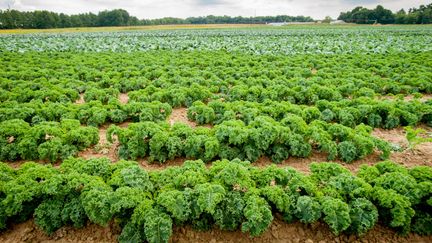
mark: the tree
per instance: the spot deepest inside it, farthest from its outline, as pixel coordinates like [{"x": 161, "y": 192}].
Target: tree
[
  {"x": 400, "y": 17},
  {"x": 65, "y": 21},
  {"x": 117, "y": 17},
  {"x": 383, "y": 16},
  {"x": 360, "y": 15},
  {"x": 327, "y": 20}
]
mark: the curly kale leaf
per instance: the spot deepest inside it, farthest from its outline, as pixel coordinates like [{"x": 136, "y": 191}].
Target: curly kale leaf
[
  {"x": 131, "y": 176},
  {"x": 209, "y": 195},
  {"x": 158, "y": 226},
  {"x": 347, "y": 151},
  {"x": 394, "y": 209},
  {"x": 364, "y": 216},
  {"x": 276, "y": 196},
  {"x": 175, "y": 203},
  {"x": 323, "y": 172},
  {"x": 232, "y": 174},
  {"x": 48, "y": 215},
  {"x": 73, "y": 213},
  {"x": 258, "y": 216},
  {"x": 229, "y": 213},
  {"x": 336, "y": 214},
  {"x": 97, "y": 205},
  {"x": 96, "y": 167},
  {"x": 308, "y": 209},
  {"x": 422, "y": 223},
  {"x": 125, "y": 199}
]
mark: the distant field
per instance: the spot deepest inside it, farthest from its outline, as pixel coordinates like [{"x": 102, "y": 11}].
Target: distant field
[
  {"x": 253, "y": 39},
  {"x": 204, "y": 26},
  {"x": 126, "y": 28}
]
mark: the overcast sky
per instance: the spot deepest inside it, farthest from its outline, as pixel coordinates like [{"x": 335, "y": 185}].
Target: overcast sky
[{"x": 185, "y": 8}]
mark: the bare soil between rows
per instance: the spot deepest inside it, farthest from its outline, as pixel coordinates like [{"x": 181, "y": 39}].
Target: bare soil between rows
[
  {"x": 422, "y": 155},
  {"x": 423, "y": 98},
  {"x": 279, "y": 231}
]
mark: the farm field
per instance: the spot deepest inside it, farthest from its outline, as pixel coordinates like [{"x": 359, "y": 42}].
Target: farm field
[
  {"x": 129, "y": 28},
  {"x": 292, "y": 134}
]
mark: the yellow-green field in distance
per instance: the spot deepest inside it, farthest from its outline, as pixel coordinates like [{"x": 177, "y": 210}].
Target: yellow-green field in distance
[
  {"x": 190, "y": 26},
  {"x": 128, "y": 28}
]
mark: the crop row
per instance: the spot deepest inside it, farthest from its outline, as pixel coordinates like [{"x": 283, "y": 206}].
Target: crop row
[
  {"x": 230, "y": 195},
  {"x": 234, "y": 139},
  {"x": 375, "y": 113},
  {"x": 168, "y": 76},
  {"x": 45, "y": 141},
  {"x": 93, "y": 113},
  {"x": 292, "y": 136}
]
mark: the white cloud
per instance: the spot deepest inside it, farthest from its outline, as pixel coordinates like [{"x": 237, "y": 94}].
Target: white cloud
[{"x": 186, "y": 8}]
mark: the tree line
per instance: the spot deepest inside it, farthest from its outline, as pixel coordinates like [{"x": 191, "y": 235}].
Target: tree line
[
  {"x": 361, "y": 15},
  {"x": 211, "y": 19},
  {"x": 13, "y": 19},
  {"x": 42, "y": 19}
]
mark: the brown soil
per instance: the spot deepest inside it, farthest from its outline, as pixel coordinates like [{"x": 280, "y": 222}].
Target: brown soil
[
  {"x": 29, "y": 232},
  {"x": 279, "y": 231},
  {"x": 424, "y": 98},
  {"x": 396, "y": 136},
  {"x": 18, "y": 163},
  {"x": 103, "y": 148},
  {"x": 124, "y": 98},
  {"x": 180, "y": 115},
  {"x": 80, "y": 100},
  {"x": 145, "y": 164},
  {"x": 421, "y": 155},
  {"x": 302, "y": 164}
]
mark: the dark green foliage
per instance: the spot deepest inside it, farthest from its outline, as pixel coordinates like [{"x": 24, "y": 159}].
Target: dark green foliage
[
  {"x": 209, "y": 196},
  {"x": 229, "y": 194},
  {"x": 201, "y": 113},
  {"x": 347, "y": 151},
  {"x": 363, "y": 214},
  {"x": 234, "y": 139},
  {"x": 125, "y": 199},
  {"x": 395, "y": 209},
  {"x": 95, "y": 167},
  {"x": 73, "y": 213},
  {"x": 229, "y": 213},
  {"x": 308, "y": 209},
  {"x": 422, "y": 223},
  {"x": 175, "y": 203},
  {"x": 323, "y": 172},
  {"x": 23, "y": 193},
  {"x": 128, "y": 173},
  {"x": 97, "y": 205},
  {"x": 131, "y": 234},
  {"x": 258, "y": 216},
  {"x": 336, "y": 214},
  {"x": 46, "y": 141},
  {"x": 276, "y": 196},
  {"x": 48, "y": 215},
  {"x": 233, "y": 175},
  {"x": 158, "y": 226}
]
